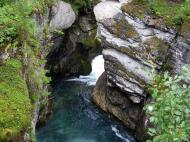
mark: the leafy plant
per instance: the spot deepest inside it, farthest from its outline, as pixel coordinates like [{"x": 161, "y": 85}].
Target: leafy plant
[
  {"x": 78, "y": 5},
  {"x": 170, "y": 110}
]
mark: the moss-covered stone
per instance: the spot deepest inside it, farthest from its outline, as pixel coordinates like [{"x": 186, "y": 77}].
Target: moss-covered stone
[
  {"x": 135, "y": 9},
  {"x": 15, "y": 110},
  {"x": 131, "y": 32},
  {"x": 122, "y": 29},
  {"x": 85, "y": 67},
  {"x": 174, "y": 14},
  {"x": 157, "y": 48},
  {"x": 185, "y": 28},
  {"x": 90, "y": 41},
  {"x": 154, "y": 51}
]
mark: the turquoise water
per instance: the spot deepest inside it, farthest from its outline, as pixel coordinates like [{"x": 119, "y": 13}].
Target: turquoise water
[{"x": 77, "y": 119}]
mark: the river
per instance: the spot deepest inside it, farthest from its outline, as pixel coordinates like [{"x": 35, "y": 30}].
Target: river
[{"x": 75, "y": 118}]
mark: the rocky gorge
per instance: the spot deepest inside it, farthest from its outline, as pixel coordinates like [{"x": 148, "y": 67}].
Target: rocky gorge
[{"x": 136, "y": 46}]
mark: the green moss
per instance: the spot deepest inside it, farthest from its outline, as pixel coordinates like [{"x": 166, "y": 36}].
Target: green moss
[
  {"x": 85, "y": 67},
  {"x": 153, "y": 51},
  {"x": 90, "y": 41},
  {"x": 122, "y": 29},
  {"x": 174, "y": 14},
  {"x": 131, "y": 32},
  {"x": 156, "y": 45},
  {"x": 185, "y": 27},
  {"x": 15, "y": 106},
  {"x": 119, "y": 27},
  {"x": 135, "y": 8}
]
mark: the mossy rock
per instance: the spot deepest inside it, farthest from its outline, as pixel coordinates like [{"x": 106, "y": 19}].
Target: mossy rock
[
  {"x": 136, "y": 9},
  {"x": 85, "y": 67},
  {"x": 15, "y": 105},
  {"x": 153, "y": 51},
  {"x": 174, "y": 14},
  {"x": 185, "y": 28},
  {"x": 79, "y": 65},
  {"x": 157, "y": 48},
  {"x": 122, "y": 29},
  {"x": 131, "y": 32},
  {"x": 90, "y": 41}
]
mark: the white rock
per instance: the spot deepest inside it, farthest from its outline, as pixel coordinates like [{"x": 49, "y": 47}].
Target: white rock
[
  {"x": 124, "y": 1},
  {"x": 132, "y": 65},
  {"x": 107, "y": 9},
  {"x": 63, "y": 16}
]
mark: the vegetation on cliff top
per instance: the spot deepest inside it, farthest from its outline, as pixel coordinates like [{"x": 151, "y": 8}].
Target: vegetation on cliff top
[
  {"x": 174, "y": 12},
  {"x": 78, "y": 5},
  {"x": 15, "y": 105}
]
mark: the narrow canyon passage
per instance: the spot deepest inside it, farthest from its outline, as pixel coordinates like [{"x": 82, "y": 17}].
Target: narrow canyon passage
[{"x": 76, "y": 118}]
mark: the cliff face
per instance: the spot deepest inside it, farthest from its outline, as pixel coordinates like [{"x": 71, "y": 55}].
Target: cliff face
[
  {"x": 73, "y": 52},
  {"x": 24, "y": 85},
  {"x": 135, "y": 49},
  {"x": 60, "y": 16}
]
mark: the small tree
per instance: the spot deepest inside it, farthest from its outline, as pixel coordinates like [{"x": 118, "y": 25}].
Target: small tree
[{"x": 169, "y": 111}]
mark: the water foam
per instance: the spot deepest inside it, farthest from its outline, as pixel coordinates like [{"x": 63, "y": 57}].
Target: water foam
[
  {"x": 97, "y": 70},
  {"x": 118, "y": 134}
]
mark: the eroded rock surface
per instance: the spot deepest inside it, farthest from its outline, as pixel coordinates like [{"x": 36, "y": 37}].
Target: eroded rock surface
[
  {"x": 135, "y": 50},
  {"x": 112, "y": 100}
]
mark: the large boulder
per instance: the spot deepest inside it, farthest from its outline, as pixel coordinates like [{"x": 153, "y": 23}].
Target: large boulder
[{"x": 62, "y": 16}]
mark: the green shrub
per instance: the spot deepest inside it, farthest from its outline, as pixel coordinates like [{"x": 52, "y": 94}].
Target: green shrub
[
  {"x": 170, "y": 110},
  {"x": 83, "y": 5},
  {"x": 173, "y": 13}
]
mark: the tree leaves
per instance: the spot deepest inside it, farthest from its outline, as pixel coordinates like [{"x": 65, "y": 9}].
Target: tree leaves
[{"x": 171, "y": 113}]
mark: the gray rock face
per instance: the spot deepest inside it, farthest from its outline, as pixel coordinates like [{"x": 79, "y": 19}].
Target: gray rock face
[
  {"x": 113, "y": 101},
  {"x": 131, "y": 49},
  {"x": 135, "y": 51},
  {"x": 62, "y": 16},
  {"x": 72, "y": 54}
]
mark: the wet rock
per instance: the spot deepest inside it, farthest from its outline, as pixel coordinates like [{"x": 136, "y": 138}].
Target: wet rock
[
  {"x": 113, "y": 101},
  {"x": 86, "y": 24}
]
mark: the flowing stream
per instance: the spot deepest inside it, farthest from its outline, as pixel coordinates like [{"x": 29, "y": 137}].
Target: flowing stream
[{"x": 76, "y": 118}]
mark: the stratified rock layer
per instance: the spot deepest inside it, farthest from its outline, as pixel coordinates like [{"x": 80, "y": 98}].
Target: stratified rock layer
[{"x": 135, "y": 51}]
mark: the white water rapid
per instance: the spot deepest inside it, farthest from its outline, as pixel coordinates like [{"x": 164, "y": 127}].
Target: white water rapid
[{"x": 97, "y": 70}]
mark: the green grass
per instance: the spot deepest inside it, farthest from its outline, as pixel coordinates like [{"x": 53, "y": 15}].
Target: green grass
[
  {"x": 15, "y": 106},
  {"x": 173, "y": 13}
]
